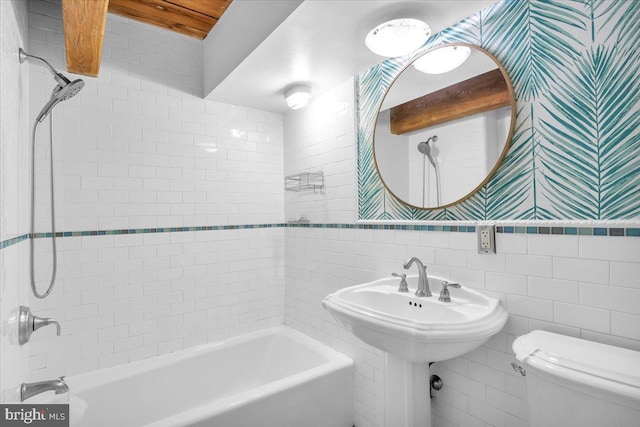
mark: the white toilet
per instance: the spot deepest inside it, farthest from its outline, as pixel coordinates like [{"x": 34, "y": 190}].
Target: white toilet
[{"x": 577, "y": 383}]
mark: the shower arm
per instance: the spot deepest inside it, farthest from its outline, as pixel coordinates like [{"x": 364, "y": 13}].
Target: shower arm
[
  {"x": 59, "y": 77},
  {"x": 24, "y": 55}
]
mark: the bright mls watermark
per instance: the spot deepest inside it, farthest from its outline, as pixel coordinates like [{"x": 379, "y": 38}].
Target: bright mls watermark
[{"x": 34, "y": 415}]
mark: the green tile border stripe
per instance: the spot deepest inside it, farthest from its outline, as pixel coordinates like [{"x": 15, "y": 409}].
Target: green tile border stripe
[
  {"x": 126, "y": 231},
  {"x": 409, "y": 227},
  {"x": 13, "y": 241},
  {"x": 503, "y": 229},
  {"x": 571, "y": 230}
]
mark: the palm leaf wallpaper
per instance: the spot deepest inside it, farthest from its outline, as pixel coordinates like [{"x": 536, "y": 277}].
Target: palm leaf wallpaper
[{"x": 575, "y": 153}]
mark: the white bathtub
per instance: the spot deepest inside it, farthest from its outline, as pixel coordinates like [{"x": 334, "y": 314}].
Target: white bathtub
[{"x": 272, "y": 378}]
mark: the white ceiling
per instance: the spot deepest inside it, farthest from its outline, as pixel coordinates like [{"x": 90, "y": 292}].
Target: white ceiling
[{"x": 321, "y": 42}]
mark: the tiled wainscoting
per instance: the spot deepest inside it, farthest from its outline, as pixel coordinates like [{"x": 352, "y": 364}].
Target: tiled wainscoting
[
  {"x": 125, "y": 297},
  {"x": 122, "y": 298},
  {"x": 14, "y": 267},
  {"x": 584, "y": 286}
]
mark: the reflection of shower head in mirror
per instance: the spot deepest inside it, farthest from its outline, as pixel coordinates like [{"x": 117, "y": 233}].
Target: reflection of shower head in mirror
[{"x": 425, "y": 148}]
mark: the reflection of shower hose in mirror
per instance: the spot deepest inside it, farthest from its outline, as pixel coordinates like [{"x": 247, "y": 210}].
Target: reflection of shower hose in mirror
[
  {"x": 424, "y": 182},
  {"x": 425, "y": 149},
  {"x": 33, "y": 212},
  {"x": 437, "y": 170}
]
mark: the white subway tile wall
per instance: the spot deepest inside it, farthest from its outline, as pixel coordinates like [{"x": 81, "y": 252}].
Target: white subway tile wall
[
  {"x": 320, "y": 137},
  {"x": 320, "y": 261},
  {"x": 584, "y": 286},
  {"x": 140, "y": 148},
  {"x": 129, "y": 297},
  {"x": 14, "y": 196}
]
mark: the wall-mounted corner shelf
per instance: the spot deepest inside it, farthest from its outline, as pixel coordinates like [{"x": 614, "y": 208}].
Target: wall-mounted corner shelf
[{"x": 306, "y": 181}]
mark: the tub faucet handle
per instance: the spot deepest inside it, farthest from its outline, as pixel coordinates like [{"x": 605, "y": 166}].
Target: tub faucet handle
[
  {"x": 403, "y": 282},
  {"x": 28, "y": 324}
]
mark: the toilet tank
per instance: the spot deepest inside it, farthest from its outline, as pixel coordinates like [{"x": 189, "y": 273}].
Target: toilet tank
[{"x": 573, "y": 382}]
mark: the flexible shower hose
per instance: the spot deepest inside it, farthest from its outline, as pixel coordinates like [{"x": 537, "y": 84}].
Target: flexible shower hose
[
  {"x": 33, "y": 212},
  {"x": 438, "y": 188},
  {"x": 437, "y": 172}
]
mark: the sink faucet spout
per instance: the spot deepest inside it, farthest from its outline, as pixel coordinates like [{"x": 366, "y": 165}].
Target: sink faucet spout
[{"x": 423, "y": 282}]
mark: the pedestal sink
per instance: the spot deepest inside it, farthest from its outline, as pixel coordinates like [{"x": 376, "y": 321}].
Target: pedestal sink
[{"x": 414, "y": 331}]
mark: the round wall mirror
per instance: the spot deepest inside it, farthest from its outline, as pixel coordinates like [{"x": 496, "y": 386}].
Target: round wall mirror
[{"x": 444, "y": 126}]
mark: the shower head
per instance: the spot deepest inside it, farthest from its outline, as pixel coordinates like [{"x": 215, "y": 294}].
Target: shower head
[
  {"x": 69, "y": 90},
  {"x": 66, "y": 89},
  {"x": 60, "y": 93},
  {"x": 425, "y": 149}
]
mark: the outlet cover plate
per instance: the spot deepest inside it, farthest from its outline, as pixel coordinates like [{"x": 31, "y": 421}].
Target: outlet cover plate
[{"x": 486, "y": 239}]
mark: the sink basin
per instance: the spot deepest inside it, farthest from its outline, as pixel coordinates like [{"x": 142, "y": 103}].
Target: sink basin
[{"x": 417, "y": 329}]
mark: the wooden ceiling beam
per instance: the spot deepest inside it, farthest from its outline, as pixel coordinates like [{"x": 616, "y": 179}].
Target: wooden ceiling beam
[
  {"x": 482, "y": 93},
  {"x": 84, "y": 23},
  {"x": 165, "y": 14}
]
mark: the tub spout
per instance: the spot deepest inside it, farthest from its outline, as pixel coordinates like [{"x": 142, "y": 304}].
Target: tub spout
[{"x": 32, "y": 389}]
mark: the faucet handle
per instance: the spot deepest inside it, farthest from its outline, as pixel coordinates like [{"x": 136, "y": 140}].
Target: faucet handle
[
  {"x": 28, "y": 324},
  {"x": 403, "y": 282},
  {"x": 444, "y": 293},
  {"x": 446, "y": 284}
]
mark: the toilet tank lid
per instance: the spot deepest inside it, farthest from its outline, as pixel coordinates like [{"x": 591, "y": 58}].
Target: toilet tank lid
[{"x": 600, "y": 365}]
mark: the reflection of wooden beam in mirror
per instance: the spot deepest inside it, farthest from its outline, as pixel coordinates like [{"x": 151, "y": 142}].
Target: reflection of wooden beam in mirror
[
  {"x": 482, "y": 93},
  {"x": 84, "y": 22}
]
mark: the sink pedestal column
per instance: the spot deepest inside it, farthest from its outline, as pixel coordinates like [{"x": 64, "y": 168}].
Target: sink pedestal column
[{"x": 407, "y": 401}]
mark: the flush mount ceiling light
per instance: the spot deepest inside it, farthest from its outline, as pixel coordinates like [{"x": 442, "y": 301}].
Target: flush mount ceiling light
[
  {"x": 442, "y": 60},
  {"x": 397, "y": 37},
  {"x": 297, "y": 96}
]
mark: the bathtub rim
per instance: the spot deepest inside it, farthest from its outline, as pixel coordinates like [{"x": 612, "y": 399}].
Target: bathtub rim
[
  {"x": 101, "y": 377},
  {"x": 333, "y": 364}
]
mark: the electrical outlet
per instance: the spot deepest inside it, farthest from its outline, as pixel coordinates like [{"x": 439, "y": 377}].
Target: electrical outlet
[{"x": 486, "y": 239}]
